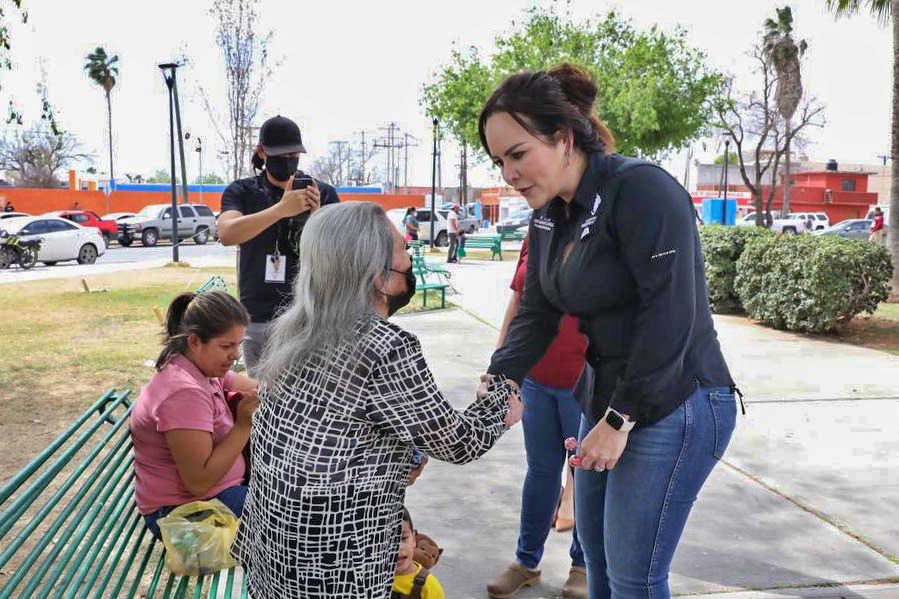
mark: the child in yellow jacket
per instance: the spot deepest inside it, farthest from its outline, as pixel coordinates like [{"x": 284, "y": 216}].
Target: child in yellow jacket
[{"x": 412, "y": 579}]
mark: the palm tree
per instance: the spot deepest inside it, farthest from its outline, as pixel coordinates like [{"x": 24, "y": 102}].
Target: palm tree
[
  {"x": 103, "y": 70},
  {"x": 885, "y": 11},
  {"x": 784, "y": 53}
]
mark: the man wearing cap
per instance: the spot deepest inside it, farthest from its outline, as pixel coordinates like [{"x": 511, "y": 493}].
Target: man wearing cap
[
  {"x": 455, "y": 233},
  {"x": 265, "y": 216}
]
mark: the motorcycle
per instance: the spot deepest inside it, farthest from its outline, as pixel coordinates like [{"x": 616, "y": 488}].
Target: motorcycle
[{"x": 15, "y": 250}]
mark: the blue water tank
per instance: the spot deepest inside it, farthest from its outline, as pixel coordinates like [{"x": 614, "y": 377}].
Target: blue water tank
[{"x": 718, "y": 211}]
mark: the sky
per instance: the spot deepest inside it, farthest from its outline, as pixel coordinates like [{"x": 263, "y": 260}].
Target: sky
[{"x": 353, "y": 65}]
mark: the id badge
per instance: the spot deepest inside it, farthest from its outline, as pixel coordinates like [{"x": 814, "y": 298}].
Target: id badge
[{"x": 275, "y": 268}]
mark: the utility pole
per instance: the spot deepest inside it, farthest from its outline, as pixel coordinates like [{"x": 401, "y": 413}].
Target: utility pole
[
  {"x": 390, "y": 143},
  {"x": 406, "y": 144},
  {"x": 463, "y": 174},
  {"x": 362, "y": 160}
]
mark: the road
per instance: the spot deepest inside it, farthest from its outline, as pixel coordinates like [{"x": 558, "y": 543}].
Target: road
[{"x": 117, "y": 259}]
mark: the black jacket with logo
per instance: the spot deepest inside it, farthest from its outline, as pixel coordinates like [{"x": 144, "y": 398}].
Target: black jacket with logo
[
  {"x": 634, "y": 277},
  {"x": 249, "y": 196}
]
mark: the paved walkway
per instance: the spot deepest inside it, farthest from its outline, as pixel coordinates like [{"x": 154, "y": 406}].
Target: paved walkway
[{"x": 803, "y": 506}]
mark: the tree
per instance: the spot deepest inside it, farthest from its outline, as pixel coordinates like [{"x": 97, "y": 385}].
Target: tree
[
  {"x": 210, "y": 179},
  {"x": 36, "y": 155},
  {"x": 755, "y": 125},
  {"x": 656, "y": 91},
  {"x": 885, "y": 11},
  {"x": 246, "y": 59},
  {"x": 103, "y": 70},
  {"x": 784, "y": 54},
  {"x": 329, "y": 167},
  {"x": 160, "y": 175}
]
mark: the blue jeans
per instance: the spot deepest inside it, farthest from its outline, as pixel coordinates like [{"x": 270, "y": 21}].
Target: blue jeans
[
  {"x": 550, "y": 416},
  {"x": 233, "y": 497},
  {"x": 630, "y": 519}
]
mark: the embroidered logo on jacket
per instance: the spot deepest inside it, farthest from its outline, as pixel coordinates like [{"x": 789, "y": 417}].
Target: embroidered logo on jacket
[
  {"x": 663, "y": 254},
  {"x": 544, "y": 224}
]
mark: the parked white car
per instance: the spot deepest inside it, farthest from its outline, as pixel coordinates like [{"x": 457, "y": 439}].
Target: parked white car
[
  {"x": 61, "y": 239},
  {"x": 746, "y": 221},
  {"x": 117, "y": 216},
  {"x": 441, "y": 238},
  {"x": 801, "y": 222}
]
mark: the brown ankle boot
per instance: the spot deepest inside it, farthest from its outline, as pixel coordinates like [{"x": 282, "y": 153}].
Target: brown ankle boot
[
  {"x": 512, "y": 580},
  {"x": 576, "y": 585}
]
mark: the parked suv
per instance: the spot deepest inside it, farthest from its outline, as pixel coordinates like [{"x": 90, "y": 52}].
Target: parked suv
[{"x": 154, "y": 222}]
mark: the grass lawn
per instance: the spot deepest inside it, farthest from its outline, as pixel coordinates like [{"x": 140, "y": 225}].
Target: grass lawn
[
  {"x": 63, "y": 347},
  {"x": 877, "y": 331}
]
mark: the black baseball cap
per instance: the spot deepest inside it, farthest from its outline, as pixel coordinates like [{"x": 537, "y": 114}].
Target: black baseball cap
[{"x": 280, "y": 135}]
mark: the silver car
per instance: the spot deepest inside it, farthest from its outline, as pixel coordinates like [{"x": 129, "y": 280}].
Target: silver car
[{"x": 853, "y": 228}]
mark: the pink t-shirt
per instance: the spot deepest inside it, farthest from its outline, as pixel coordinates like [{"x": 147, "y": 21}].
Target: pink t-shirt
[{"x": 177, "y": 397}]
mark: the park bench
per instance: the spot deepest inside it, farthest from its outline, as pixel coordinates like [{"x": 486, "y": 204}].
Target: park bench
[
  {"x": 494, "y": 243},
  {"x": 420, "y": 270},
  {"x": 69, "y": 526},
  {"x": 436, "y": 268},
  {"x": 516, "y": 235}
]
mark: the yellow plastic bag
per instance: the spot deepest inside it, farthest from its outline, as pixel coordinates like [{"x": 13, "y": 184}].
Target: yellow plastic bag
[{"x": 197, "y": 538}]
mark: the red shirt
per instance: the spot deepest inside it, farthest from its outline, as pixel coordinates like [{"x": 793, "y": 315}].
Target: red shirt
[
  {"x": 563, "y": 362},
  {"x": 878, "y": 222}
]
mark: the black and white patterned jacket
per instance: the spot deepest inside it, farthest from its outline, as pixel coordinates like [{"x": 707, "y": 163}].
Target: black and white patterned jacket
[{"x": 331, "y": 451}]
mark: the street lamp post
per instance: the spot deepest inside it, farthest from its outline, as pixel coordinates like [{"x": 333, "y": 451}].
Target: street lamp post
[
  {"x": 168, "y": 73},
  {"x": 433, "y": 183}
]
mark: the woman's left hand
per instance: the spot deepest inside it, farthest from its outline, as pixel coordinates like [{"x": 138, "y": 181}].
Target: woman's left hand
[{"x": 601, "y": 448}]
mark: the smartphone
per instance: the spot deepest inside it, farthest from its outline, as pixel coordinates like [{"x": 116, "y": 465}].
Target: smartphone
[{"x": 302, "y": 182}]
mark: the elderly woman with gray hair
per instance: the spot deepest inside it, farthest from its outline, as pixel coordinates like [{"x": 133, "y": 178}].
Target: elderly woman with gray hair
[{"x": 346, "y": 397}]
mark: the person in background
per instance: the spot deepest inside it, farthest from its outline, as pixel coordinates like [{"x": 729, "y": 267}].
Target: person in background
[
  {"x": 412, "y": 580},
  {"x": 454, "y": 232},
  {"x": 551, "y": 415},
  {"x": 877, "y": 227},
  {"x": 411, "y": 223},
  {"x": 265, "y": 216},
  {"x": 187, "y": 444}
]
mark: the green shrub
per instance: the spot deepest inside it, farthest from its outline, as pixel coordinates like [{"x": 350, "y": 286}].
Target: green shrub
[
  {"x": 721, "y": 248},
  {"x": 811, "y": 284}
]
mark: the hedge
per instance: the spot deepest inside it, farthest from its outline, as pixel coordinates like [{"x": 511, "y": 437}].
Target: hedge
[
  {"x": 721, "y": 248},
  {"x": 811, "y": 283}
]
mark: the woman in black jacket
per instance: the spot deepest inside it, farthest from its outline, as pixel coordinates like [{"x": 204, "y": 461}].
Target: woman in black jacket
[{"x": 613, "y": 242}]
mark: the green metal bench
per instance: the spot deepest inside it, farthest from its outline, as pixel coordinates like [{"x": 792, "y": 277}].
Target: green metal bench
[
  {"x": 430, "y": 266},
  {"x": 420, "y": 270},
  {"x": 516, "y": 235},
  {"x": 494, "y": 243},
  {"x": 69, "y": 527}
]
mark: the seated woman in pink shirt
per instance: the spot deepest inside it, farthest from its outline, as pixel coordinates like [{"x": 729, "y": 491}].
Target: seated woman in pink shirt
[{"x": 187, "y": 445}]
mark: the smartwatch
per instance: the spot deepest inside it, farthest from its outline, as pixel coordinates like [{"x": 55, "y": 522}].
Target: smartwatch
[{"x": 616, "y": 420}]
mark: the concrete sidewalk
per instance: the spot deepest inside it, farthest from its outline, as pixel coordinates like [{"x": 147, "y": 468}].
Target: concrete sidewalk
[{"x": 803, "y": 506}]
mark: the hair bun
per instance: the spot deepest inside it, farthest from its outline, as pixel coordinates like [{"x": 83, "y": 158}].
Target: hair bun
[{"x": 577, "y": 84}]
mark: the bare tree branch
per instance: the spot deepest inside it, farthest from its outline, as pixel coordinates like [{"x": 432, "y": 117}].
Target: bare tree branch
[{"x": 34, "y": 157}]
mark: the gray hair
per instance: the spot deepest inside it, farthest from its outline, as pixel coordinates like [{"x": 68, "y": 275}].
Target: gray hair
[{"x": 343, "y": 248}]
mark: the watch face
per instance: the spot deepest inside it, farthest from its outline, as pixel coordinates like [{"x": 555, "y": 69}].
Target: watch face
[{"x": 615, "y": 420}]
